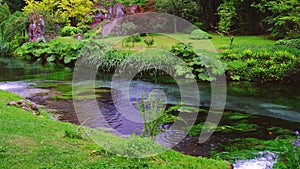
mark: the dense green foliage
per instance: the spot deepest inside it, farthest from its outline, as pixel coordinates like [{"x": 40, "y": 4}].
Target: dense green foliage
[
  {"x": 63, "y": 12},
  {"x": 14, "y": 27},
  {"x": 262, "y": 63},
  {"x": 70, "y": 31},
  {"x": 227, "y": 13},
  {"x": 283, "y": 16},
  {"x": 292, "y": 43},
  {"x": 205, "y": 65},
  {"x": 4, "y": 12},
  {"x": 291, "y": 157},
  {"x": 200, "y": 34},
  {"x": 149, "y": 40},
  {"x": 53, "y": 51}
]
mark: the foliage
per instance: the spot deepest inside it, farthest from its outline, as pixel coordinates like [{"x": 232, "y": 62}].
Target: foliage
[
  {"x": 261, "y": 63},
  {"x": 136, "y": 38},
  {"x": 204, "y": 65},
  {"x": 15, "y": 5},
  {"x": 184, "y": 51},
  {"x": 199, "y": 34},
  {"x": 95, "y": 53},
  {"x": 283, "y": 18},
  {"x": 291, "y": 158},
  {"x": 70, "y": 31},
  {"x": 4, "y": 12},
  {"x": 14, "y": 27},
  {"x": 292, "y": 43},
  {"x": 149, "y": 40},
  {"x": 62, "y": 11},
  {"x": 5, "y": 48},
  {"x": 53, "y": 51},
  {"x": 154, "y": 115},
  {"x": 236, "y": 127},
  {"x": 227, "y": 12},
  {"x": 186, "y": 9}
]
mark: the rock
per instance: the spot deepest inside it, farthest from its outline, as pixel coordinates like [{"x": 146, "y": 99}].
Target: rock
[
  {"x": 25, "y": 108},
  {"x": 119, "y": 10},
  {"x": 33, "y": 106},
  {"x": 12, "y": 103},
  {"x": 36, "y": 29},
  {"x": 21, "y": 102}
]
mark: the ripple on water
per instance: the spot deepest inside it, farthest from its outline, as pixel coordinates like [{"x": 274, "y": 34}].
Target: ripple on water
[{"x": 265, "y": 160}]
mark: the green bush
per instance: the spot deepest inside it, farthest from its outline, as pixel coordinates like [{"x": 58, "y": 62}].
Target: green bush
[
  {"x": 136, "y": 38},
  {"x": 292, "y": 43},
  {"x": 199, "y": 34},
  {"x": 53, "y": 51},
  {"x": 149, "y": 41},
  {"x": 5, "y": 48},
  {"x": 183, "y": 50},
  {"x": 96, "y": 53},
  {"x": 70, "y": 31},
  {"x": 262, "y": 63}
]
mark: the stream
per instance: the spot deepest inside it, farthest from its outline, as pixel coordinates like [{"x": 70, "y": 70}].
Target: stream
[{"x": 269, "y": 105}]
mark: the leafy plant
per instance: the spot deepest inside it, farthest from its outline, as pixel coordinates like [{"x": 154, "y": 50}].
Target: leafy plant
[
  {"x": 53, "y": 51},
  {"x": 183, "y": 50},
  {"x": 261, "y": 63},
  {"x": 70, "y": 31},
  {"x": 292, "y": 43},
  {"x": 199, "y": 34},
  {"x": 154, "y": 115},
  {"x": 291, "y": 159},
  {"x": 136, "y": 38},
  {"x": 149, "y": 40}
]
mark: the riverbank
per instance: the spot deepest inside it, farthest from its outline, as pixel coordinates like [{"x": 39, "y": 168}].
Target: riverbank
[{"x": 29, "y": 141}]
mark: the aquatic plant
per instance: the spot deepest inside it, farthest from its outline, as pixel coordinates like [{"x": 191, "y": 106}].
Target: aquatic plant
[
  {"x": 154, "y": 115},
  {"x": 291, "y": 159}
]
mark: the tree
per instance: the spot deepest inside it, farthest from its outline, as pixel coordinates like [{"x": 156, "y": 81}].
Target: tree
[
  {"x": 14, "y": 27},
  {"x": 15, "y": 5},
  {"x": 4, "y": 11},
  {"x": 227, "y": 12},
  {"x": 283, "y": 18},
  {"x": 62, "y": 11}
]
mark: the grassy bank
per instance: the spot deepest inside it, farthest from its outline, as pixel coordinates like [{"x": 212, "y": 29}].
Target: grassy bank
[{"x": 29, "y": 141}]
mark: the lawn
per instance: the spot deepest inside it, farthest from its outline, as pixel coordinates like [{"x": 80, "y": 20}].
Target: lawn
[
  {"x": 166, "y": 41},
  {"x": 29, "y": 141}
]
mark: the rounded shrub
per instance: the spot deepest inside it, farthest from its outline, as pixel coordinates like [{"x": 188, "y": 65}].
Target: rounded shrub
[
  {"x": 70, "y": 30},
  {"x": 199, "y": 34}
]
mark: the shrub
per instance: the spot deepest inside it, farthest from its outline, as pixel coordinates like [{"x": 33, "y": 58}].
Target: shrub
[
  {"x": 292, "y": 43},
  {"x": 183, "y": 50},
  {"x": 291, "y": 158},
  {"x": 136, "y": 38},
  {"x": 5, "y": 48},
  {"x": 53, "y": 51},
  {"x": 200, "y": 34},
  {"x": 262, "y": 63},
  {"x": 190, "y": 29},
  {"x": 70, "y": 31},
  {"x": 96, "y": 53},
  {"x": 149, "y": 41}
]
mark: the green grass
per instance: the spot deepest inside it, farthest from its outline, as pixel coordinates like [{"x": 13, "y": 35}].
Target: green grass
[
  {"x": 224, "y": 41},
  {"x": 67, "y": 39},
  {"x": 166, "y": 41},
  {"x": 29, "y": 141}
]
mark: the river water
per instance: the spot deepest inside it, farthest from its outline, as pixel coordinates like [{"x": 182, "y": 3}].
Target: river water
[{"x": 271, "y": 101}]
